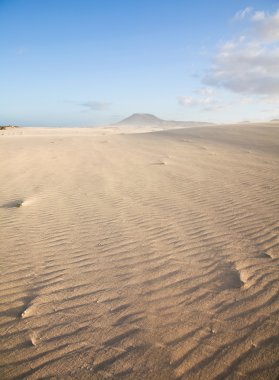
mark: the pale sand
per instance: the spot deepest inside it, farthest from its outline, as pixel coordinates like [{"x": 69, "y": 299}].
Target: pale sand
[{"x": 139, "y": 256}]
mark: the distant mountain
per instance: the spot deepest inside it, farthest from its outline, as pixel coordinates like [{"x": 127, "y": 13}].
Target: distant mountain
[
  {"x": 149, "y": 120},
  {"x": 141, "y": 119}
]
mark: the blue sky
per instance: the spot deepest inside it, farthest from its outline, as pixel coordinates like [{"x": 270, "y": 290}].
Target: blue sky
[{"x": 83, "y": 63}]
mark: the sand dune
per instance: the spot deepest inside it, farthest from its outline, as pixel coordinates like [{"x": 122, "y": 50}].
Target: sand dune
[{"x": 139, "y": 256}]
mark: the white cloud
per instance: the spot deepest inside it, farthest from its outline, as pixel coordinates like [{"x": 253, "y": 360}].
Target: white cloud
[
  {"x": 266, "y": 26},
  {"x": 190, "y": 101},
  {"x": 96, "y": 105},
  {"x": 258, "y": 16},
  {"x": 204, "y": 100},
  {"x": 204, "y": 97},
  {"x": 242, "y": 13},
  {"x": 249, "y": 64},
  {"x": 206, "y": 91},
  {"x": 246, "y": 68},
  {"x": 270, "y": 99}
]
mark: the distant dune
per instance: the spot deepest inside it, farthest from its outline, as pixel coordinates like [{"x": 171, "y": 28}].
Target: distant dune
[{"x": 139, "y": 255}]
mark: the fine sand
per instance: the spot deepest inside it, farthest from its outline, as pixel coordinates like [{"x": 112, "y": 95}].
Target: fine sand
[{"x": 139, "y": 255}]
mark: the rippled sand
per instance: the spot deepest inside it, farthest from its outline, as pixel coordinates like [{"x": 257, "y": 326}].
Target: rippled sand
[{"x": 139, "y": 256}]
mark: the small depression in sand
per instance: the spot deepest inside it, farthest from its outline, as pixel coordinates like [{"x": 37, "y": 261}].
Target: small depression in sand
[{"x": 17, "y": 203}]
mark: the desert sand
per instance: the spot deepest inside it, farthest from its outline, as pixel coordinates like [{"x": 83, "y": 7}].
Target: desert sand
[{"x": 139, "y": 255}]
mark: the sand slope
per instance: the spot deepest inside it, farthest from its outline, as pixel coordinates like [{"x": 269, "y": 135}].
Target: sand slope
[{"x": 139, "y": 256}]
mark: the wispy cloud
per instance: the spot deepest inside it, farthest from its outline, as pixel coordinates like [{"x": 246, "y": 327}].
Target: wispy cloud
[
  {"x": 240, "y": 15},
  {"x": 203, "y": 99},
  {"x": 204, "y": 96},
  {"x": 95, "y": 105},
  {"x": 190, "y": 101}
]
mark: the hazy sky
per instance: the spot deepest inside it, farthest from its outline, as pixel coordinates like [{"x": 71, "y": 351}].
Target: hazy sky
[{"x": 88, "y": 62}]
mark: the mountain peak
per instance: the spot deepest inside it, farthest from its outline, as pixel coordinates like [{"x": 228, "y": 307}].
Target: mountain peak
[{"x": 141, "y": 119}]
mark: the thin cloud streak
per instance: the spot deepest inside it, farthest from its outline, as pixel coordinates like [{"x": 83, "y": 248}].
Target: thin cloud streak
[{"x": 96, "y": 105}]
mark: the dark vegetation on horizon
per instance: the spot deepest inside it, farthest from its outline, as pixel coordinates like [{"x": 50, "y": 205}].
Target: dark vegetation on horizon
[{"x": 3, "y": 127}]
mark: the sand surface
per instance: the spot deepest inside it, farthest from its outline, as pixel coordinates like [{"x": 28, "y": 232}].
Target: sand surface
[{"x": 139, "y": 256}]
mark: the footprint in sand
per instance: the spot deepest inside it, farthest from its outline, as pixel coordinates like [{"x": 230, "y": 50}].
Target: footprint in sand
[
  {"x": 265, "y": 255},
  {"x": 14, "y": 204},
  {"x": 17, "y": 203},
  {"x": 29, "y": 308},
  {"x": 159, "y": 163},
  {"x": 34, "y": 338}
]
